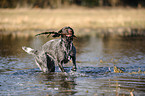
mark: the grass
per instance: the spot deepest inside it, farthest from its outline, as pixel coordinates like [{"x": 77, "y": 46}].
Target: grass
[{"x": 21, "y": 20}]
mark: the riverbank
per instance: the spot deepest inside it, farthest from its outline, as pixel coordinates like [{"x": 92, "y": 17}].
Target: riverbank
[{"x": 33, "y": 21}]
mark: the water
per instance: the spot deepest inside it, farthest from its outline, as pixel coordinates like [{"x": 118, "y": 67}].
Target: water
[{"x": 96, "y": 60}]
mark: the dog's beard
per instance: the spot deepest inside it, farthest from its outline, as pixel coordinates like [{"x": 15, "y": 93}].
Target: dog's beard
[{"x": 67, "y": 40}]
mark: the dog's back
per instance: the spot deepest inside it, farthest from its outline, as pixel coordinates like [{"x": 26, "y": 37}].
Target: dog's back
[{"x": 51, "y": 47}]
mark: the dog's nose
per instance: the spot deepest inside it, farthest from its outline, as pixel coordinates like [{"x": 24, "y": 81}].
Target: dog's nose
[{"x": 69, "y": 33}]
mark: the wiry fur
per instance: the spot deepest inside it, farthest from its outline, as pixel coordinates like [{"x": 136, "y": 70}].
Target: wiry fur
[{"x": 56, "y": 51}]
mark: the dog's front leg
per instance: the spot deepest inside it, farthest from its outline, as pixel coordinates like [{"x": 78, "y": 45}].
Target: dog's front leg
[
  {"x": 74, "y": 63},
  {"x": 61, "y": 67}
]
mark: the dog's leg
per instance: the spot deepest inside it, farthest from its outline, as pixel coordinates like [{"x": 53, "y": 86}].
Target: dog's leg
[
  {"x": 74, "y": 63},
  {"x": 41, "y": 63},
  {"x": 45, "y": 63},
  {"x": 61, "y": 67},
  {"x": 50, "y": 63}
]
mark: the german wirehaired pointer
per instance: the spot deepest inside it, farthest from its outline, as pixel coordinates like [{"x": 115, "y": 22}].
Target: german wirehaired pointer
[{"x": 56, "y": 51}]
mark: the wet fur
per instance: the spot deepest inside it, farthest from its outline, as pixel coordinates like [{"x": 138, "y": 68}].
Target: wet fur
[{"x": 56, "y": 51}]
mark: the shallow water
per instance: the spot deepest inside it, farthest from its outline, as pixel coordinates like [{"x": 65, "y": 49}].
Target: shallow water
[{"x": 96, "y": 58}]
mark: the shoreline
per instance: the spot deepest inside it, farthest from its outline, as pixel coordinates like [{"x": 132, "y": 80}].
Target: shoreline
[
  {"x": 83, "y": 20},
  {"x": 100, "y": 32}
]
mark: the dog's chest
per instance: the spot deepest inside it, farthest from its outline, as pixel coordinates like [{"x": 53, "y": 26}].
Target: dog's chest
[
  {"x": 63, "y": 53},
  {"x": 58, "y": 50}
]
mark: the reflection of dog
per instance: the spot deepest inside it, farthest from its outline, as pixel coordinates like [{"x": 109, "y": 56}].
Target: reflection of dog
[{"x": 56, "y": 51}]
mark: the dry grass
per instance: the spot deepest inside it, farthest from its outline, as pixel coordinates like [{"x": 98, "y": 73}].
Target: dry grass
[{"x": 37, "y": 19}]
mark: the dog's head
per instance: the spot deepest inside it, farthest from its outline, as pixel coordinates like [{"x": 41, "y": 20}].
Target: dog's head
[{"x": 66, "y": 33}]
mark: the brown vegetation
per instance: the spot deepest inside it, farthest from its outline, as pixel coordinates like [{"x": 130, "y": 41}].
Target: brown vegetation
[{"x": 20, "y": 20}]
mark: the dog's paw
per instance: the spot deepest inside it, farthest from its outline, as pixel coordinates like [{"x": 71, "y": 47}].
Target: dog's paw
[{"x": 74, "y": 69}]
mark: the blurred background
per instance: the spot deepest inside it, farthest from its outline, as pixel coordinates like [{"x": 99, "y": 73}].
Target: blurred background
[
  {"x": 110, "y": 47},
  {"x": 40, "y": 15},
  {"x": 68, "y": 3}
]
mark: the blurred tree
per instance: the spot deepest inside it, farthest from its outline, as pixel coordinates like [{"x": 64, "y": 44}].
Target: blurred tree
[
  {"x": 55, "y": 3},
  {"x": 100, "y": 3},
  {"x": 67, "y": 3},
  {"x": 141, "y": 3},
  {"x": 114, "y": 3}
]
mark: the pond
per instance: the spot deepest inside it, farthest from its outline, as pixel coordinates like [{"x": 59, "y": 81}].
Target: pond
[{"x": 107, "y": 66}]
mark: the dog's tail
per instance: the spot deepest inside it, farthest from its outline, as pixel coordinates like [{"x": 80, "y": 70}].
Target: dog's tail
[{"x": 29, "y": 50}]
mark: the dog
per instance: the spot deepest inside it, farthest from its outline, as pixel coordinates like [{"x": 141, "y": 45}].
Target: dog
[{"x": 56, "y": 51}]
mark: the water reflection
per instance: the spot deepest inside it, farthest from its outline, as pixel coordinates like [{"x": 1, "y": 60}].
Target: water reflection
[
  {"x": 95, "y": 75},
  {"x": 59, "y": 82},
  {"x": 10, "y": 46},
  {"x": 125, "y": 44}
]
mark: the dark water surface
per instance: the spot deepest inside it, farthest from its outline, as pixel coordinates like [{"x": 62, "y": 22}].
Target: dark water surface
[{"x": 96, "y": 58}]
